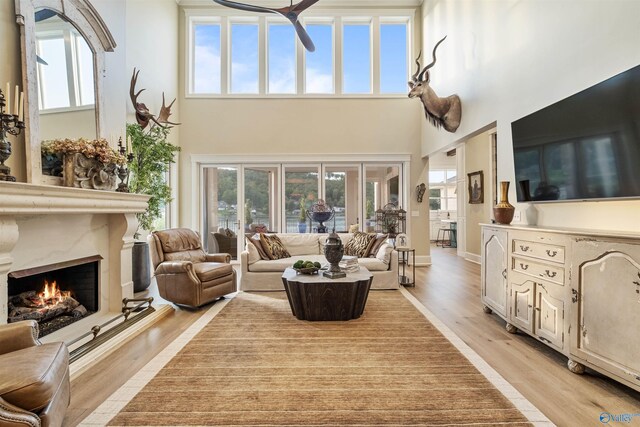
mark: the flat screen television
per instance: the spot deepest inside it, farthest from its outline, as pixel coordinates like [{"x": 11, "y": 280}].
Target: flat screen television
[{"x": 584, "y": 147}]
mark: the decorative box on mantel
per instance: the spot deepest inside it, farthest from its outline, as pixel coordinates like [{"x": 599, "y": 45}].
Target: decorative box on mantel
[{"x": 43, "y": 225}]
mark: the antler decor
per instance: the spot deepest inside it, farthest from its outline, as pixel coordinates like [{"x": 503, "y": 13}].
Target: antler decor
[
  {"x": 290, "y": 12},
  {"x": 445, "y": 112},
  {"x": 143, "y": 115}
]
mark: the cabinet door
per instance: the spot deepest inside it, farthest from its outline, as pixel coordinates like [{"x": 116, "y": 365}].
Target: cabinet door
[
  {"x": 605, "y": 309},
  {"x": 521, "y": 305},
  {"x": 549, "y": 325},
  {"x": 494, "y": 270}
]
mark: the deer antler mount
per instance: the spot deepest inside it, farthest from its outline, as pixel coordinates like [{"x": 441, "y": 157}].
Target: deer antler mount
[
  {"x": 445, "y": 112},
  {"x": 143, "y": 115}
]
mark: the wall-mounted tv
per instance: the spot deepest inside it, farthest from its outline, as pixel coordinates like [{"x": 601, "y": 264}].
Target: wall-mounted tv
[{"x": 586, "y": 146}]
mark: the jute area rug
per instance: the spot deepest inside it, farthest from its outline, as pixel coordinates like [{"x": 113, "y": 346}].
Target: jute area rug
[{"x": 256, "y": 364}]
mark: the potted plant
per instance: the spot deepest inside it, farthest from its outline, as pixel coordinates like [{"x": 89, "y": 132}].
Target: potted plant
[
  {"x": 151, "y": 156},
  {"x": 302, "y": 219}
]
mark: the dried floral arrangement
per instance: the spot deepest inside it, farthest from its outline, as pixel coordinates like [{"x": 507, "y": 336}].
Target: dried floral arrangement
[{"x": 96, "y": 149}]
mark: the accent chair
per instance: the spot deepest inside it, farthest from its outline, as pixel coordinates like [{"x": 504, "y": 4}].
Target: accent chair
[
  {"x": 185, "y": 274},
  {"x": 34, "y": 377}
]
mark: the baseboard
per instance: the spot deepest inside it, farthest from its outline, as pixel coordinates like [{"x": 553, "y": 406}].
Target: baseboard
[
  {"x": 423, "y": 260},
  {"x": 473, "y": 258}
]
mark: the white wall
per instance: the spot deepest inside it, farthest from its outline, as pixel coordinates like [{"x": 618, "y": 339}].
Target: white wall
[
  {"x": 509, "y": 58},
  {"x": 11, "y": 71}
]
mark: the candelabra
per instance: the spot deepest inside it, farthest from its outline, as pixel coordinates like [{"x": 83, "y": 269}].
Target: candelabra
[
  {"x": 123, "y": 170},
  {"x": 9, "y": 123}
]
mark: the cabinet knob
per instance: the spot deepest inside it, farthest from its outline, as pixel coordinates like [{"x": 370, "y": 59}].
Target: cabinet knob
[
  {"x": 524, "y": 266},
  {"x": 504, "y": 273},
  {"x": 551, "y": 253},
  {"x": 524, "y": 248},
  {"x": 551, "y": 273}
]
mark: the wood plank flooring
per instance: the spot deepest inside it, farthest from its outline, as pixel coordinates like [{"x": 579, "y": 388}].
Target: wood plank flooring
[{"x": 450, "y": 288}]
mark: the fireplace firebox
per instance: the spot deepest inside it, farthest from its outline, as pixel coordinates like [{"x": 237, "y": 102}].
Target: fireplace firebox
[{"x": 55, "y": 295}]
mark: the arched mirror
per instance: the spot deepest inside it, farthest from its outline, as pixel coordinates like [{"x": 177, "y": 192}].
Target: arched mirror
[
  {"x": 63, "y": 71},
  {"x": 65, "y": 83}
]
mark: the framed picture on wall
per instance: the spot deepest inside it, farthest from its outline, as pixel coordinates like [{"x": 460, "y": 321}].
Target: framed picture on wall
[{"x": 476, "y": 187}]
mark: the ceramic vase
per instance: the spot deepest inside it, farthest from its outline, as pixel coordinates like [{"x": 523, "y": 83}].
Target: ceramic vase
[{"x": 503, "y": 211}]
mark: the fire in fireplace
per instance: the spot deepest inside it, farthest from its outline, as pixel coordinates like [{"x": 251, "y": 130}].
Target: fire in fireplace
[{"x": 54, "y": 295}]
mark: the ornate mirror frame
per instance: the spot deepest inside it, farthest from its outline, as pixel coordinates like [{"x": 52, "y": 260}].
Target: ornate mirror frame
[{"x": 82, "y": 15}]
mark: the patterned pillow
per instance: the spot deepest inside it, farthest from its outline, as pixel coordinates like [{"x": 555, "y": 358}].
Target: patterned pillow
[
  {"x": 273, "y": 247},
  {"x": 359, "y": 244},
  {"x": 375, "y": 244},
  {"x": 254, "y": 240}
]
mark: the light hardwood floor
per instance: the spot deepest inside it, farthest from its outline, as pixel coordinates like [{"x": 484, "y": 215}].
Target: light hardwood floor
[{"x": 450, "y": 288}]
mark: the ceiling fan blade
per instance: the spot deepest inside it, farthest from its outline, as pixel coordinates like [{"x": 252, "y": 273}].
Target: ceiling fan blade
[
  {"x": 304, "y": 4},
  {"x": 304, "y": 37},
  {"x": 242, "y": 6}
]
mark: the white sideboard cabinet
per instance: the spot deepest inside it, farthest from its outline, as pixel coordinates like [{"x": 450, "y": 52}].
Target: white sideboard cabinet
[{"x": 577, "y": 291}]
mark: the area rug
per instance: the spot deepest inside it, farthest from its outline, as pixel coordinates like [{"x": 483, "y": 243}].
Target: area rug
[{"x": 254, "y": 363}]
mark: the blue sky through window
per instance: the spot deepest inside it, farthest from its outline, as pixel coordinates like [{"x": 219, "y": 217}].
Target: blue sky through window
[
  {"x": 319, "y": 72},
  {"x": 206, "y": 72},
  {"x": 393, "y": 58},
  {"x": 244, "y": 58},
  {"x": 282, "y": 58},
  {"x": 356, "y": 58}
]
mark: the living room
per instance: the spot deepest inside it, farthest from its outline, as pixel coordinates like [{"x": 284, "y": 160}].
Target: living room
[{"x": 347, "y": 121}]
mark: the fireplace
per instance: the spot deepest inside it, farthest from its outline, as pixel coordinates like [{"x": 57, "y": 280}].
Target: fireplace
[{"x": 55, "y": 295}]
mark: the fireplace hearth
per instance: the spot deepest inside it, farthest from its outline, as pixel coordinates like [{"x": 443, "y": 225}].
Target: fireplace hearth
[{"x": 54, "y": 295}]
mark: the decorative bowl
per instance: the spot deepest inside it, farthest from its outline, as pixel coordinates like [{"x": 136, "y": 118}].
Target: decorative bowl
[{"x": 310, "y": 270}]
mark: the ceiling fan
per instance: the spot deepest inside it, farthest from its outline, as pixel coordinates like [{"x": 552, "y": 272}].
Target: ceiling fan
[{"x": 290, "y": 12}]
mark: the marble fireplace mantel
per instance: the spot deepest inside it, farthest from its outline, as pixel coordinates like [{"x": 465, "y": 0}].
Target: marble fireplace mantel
[{"x": 41, "y": 225}]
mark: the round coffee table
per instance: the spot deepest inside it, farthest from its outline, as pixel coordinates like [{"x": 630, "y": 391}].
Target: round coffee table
[{"x": 314, "y": 297}]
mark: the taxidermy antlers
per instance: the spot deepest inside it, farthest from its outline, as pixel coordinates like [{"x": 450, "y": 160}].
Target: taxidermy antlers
[
  {"x": 291, "y": 13},
  {"x": 445, "y": 112},
  {"x": 143, "y": 115}
]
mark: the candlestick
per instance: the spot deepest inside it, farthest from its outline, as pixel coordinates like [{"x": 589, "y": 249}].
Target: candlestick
[
  {"x": 128, "y": 144},
  {"x": 9, "y": 125},
  {"x": 15, "y": 106},
  {"x": 7, "y": 95},
  {"x": 21, "y": 112}
]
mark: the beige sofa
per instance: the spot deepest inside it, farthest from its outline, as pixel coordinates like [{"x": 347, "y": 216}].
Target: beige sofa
[{"x": 266, "y": 275}]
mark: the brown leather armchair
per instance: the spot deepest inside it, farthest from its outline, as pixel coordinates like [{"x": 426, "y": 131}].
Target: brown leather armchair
[
  {"x": 185, "y": 273},
  {"x": 34, "y": 377}
]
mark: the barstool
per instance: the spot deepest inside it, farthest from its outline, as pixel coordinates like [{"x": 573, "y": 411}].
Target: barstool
[{"x": 446, "y": 237}]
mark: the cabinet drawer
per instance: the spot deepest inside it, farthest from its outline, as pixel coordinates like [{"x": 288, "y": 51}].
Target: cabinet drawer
[
  {"x": 548, "y": 272},
  {"x": 538, "y": 250}
]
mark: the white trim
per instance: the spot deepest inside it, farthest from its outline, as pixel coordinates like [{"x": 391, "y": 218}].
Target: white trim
[
  {"x": 423, "y": 260},
  {"x": 473, "y": 257},
  {"x": 118, "y": 400},
  {"x": 300, "y": 158},
  {"x": 523, "y": 405}
]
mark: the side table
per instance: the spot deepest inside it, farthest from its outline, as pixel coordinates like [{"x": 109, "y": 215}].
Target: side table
[{"x": 406, "y": 256}]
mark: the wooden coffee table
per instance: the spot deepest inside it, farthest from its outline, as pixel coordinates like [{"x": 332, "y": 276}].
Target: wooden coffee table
[{"x": 315, "y": 297}]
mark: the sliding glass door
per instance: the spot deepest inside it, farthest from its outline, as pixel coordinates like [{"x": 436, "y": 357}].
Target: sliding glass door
[
  {"x": 301, "y": 190},
  {"x": 221, "y": 209},
  {"x": 261, "y": 195},
  {"x": 341, "y": 185}
]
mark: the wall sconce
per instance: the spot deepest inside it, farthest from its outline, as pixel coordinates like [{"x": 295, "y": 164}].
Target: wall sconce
[{"x": 420, "y": 190}]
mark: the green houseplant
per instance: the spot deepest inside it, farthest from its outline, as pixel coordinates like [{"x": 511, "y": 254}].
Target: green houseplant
[
  {"x": 302, "y": 219},
  {"x": 151, "y": 155}
]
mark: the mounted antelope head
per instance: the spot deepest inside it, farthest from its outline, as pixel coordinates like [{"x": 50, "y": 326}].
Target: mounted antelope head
[{"x": 445, "y": 112}]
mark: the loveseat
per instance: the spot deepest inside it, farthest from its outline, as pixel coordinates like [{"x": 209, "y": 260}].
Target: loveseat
[{"x": 258, "y": 274}]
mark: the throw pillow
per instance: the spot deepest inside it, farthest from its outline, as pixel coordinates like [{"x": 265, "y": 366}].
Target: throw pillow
[
  {"x": 273, "y": 247},
  {"x": 384, "y": 253},
  {"x": 229, "y": 233},
  {"x": 359, "y": 244},
  {"x": 254, "y": 240},
  {"x": 254, "y": 256},
  {"x": 375, "y": 244}
]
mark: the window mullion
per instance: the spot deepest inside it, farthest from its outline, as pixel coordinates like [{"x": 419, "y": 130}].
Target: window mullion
[
  {"x": 225, "y": 63},
  {"x": 262, "y": 55},
  {"x": 375, "y": 54},
  {"x": 337, "y": 61},
  {"x": 69, "y": 59},
  {"x": 300, "y": 67}
]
